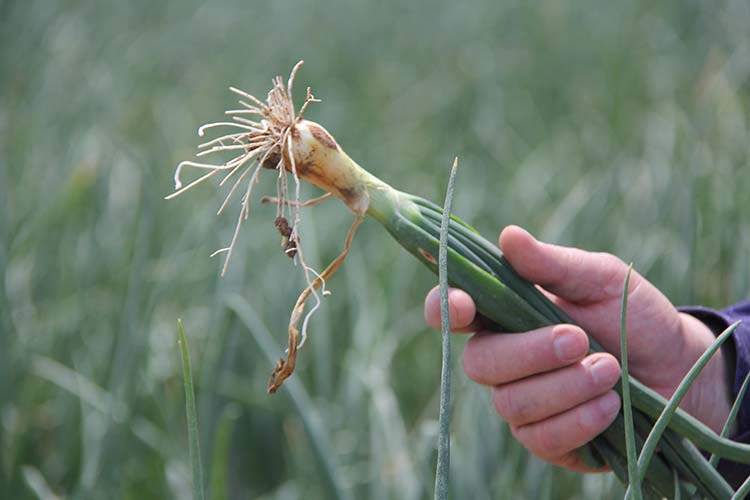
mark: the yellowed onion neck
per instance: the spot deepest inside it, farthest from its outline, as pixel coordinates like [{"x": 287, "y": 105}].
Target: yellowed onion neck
[{"x": 320, "y": 161}]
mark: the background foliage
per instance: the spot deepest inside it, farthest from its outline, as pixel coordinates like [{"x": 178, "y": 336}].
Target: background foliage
[{"x": 614, "y": 126}]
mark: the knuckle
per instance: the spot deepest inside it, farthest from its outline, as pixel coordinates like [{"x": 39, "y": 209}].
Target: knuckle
[
  {"x": 546, "y": 440},
  {"x": 611, "y": 260},
  {"x": 538, "y": 439},
  {"x": 467, "y": 359},
  {"x": 587, "y": 422},
  {"x": 524, "y": 435},
  {"x": 610, "y": 263},
  {"x": 615, "y": 274},
  {"x": 472, "y": 360},
  {"x": 512, "y": 406}
]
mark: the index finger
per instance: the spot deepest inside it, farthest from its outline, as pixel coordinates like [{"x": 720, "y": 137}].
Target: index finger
[{"x": 463, "y": 312}]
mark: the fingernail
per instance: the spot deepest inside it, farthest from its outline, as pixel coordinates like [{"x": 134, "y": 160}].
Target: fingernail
[
  {"x": 569, "y": 345},
  {"x": 604, "y": 372}
]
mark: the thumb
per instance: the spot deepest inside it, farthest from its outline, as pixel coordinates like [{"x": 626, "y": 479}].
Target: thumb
[{"x": 573, "y": 274}]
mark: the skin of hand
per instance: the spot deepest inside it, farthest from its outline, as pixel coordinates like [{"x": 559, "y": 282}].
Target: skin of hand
[{"x": 553, "y": 394}]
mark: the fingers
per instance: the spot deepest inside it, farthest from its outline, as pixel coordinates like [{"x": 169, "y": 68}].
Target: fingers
[
  {"x": 461, "y": 309},
  {"x": 553, "y": 439},
  {"x": 539, "y": 397},
  {"x": 498, "y": 359},
  {"x": 553, "y": 396},
  {"x": 571, "y": 273}
]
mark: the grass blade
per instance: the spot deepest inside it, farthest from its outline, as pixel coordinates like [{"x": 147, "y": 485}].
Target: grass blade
[
  {"x": 661, "y": 423},
  {"x": 36, "y": 482},
  {"x": 714, "y": 460},
  {"x": 219, "y": 486},
  {"x": 443, "y": 458},
  {"x": 192, "y": 418},
  {"x": 634, "y": 480}
]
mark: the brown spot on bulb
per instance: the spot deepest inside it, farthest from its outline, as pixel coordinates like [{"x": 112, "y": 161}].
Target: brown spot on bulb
[{"x": 322, "y": 136}]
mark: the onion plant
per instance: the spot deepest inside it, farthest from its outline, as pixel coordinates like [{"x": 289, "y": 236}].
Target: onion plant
[{"x": 272, "y": 135}]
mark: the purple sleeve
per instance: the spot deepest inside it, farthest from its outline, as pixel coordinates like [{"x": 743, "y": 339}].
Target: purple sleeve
[{"x": 739, "y": 350}]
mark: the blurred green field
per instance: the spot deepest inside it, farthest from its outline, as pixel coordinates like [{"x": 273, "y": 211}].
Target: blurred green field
[{"x": 614, "y": 126}]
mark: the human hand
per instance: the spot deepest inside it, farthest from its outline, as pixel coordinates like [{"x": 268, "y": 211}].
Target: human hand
[{"x": 553, "y": 394}]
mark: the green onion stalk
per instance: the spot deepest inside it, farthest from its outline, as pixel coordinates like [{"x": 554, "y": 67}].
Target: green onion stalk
[{"x": 272, "y": 135}]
